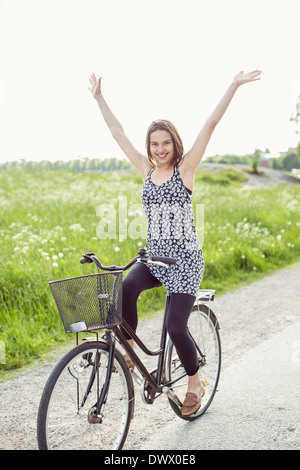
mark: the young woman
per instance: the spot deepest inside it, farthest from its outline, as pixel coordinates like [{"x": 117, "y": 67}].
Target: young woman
[{"x": 168, "y": 176}]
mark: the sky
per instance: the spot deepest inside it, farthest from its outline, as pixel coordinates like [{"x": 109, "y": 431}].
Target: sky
[{"x": 170, "y": 59}]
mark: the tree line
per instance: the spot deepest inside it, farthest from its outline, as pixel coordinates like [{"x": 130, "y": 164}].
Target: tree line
[
  {"x": 286, "y": 162},
  {"x": 78, "y": 165}
]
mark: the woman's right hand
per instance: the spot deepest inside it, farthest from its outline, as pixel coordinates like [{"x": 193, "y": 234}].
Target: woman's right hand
[{"x": 95, "y": 87}]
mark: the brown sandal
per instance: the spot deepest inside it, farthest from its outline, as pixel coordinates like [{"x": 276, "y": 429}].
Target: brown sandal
[{"x": 192, "y": 403}]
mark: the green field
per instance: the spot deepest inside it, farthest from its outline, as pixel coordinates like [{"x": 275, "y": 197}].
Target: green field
[{"x": 48, "y": 219}]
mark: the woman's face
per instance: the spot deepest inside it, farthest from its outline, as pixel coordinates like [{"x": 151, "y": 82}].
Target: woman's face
[{"x": 161, "y": 147}]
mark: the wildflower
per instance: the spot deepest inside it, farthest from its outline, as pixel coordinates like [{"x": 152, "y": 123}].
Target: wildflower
[
  {"x": 54, "y": 257},
  {"x": 117, "y": 248},
  {"x": 61, "y": 255},
  {"x": 55, "y": 265},
  {"x": 75, "y": 227}
]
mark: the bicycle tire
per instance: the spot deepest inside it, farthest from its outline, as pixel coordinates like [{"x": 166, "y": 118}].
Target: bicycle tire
[
  {"x": 63, "y": 423},
  {"x": 204, "y": 329}
]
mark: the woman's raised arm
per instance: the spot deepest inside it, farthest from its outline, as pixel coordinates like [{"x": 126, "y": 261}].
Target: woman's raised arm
[
  {"x": 137, "y": 159},
  {"x": 194, "y": 156}
]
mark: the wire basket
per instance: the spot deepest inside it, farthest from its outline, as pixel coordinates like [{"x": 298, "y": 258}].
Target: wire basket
[{"x": 89, "y": 302}]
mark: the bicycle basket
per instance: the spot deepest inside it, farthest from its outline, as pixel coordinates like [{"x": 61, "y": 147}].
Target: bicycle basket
[{"x": 93, "y": 301}]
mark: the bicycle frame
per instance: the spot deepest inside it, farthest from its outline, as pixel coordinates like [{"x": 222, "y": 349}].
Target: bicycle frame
[
  {"x": 154, "y": 383},
  {"x": 115, "y": 333}
]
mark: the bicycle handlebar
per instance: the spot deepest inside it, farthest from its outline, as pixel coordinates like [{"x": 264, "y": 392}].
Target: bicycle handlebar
[{"x": 143, "y": 258}]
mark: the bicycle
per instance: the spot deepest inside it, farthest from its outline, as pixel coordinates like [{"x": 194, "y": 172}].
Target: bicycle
[{"x": 88, "y": 400}]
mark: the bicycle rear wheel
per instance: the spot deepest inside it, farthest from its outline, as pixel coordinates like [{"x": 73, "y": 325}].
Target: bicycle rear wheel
[
  {"x": 203, "y": 328},
  {"x": 66, "y": 420}
]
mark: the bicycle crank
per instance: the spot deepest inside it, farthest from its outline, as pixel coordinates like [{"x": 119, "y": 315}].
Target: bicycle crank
[{"x": 147, "y": 392}]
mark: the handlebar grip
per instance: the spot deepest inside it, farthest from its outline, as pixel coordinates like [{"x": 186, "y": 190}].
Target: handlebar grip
[
  {"x": 86, "y": 259},
  {"x": 164, "y": 259}
]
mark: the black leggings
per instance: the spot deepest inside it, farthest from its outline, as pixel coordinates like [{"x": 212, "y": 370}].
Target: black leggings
[{"x": 140, "y": 278}]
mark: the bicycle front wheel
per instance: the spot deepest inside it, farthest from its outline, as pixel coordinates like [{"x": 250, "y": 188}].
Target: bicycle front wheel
[
  {"x": 67, "y": 419},
  {"x": 203, "y": 328}
]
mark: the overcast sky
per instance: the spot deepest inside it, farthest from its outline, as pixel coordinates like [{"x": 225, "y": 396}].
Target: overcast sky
[{"x": 169, "y": 59}]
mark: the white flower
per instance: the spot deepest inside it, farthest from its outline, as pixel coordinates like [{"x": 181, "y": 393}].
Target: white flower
[
  {"x": 55, "y": 265},
  {"x": 75, "y": 227},
  {"x": 54, "y": 257},
  {"x": 60, "y": 255},
  {"x": 117, "y": 248}
]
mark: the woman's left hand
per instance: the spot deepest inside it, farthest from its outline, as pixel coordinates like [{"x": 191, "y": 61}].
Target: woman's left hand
[{"x": 242, "y": 77}]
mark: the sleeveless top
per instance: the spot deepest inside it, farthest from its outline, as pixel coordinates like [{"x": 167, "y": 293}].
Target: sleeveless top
[{"x": 171, "y": 232}]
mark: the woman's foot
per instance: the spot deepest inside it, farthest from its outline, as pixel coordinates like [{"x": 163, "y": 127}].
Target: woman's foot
[
  {"x": 193, "y": 397},
  {"x": 129, "y": 362}
]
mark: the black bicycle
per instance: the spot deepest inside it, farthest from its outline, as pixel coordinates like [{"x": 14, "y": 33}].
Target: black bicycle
[{"x": 88, "y": 400}]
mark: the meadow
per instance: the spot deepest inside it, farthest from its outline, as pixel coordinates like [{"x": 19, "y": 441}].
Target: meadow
[{"x": 49, "y": 219}]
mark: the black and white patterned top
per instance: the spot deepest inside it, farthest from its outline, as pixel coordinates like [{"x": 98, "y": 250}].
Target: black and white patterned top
[{"x": 171, "y": 232}]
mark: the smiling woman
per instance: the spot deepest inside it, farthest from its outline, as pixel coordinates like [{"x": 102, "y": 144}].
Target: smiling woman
[{"x": 169, "y": 176}]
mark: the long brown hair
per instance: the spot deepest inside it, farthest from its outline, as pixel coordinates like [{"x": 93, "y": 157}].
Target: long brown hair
[{"x": 163, "y": 124}]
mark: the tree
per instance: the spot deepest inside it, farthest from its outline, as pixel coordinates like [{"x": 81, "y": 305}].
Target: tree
[
  {"x": 255, "y": 161},
  {"x": 296, "y": 117}
]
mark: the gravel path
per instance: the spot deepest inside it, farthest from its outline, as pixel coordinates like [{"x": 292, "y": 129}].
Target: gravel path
[{"x": 250, "y": 318}]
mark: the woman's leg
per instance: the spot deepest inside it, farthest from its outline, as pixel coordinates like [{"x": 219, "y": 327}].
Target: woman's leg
[
  {"x": 178, "y": 313},
  {"x": 137, "y": 280}
]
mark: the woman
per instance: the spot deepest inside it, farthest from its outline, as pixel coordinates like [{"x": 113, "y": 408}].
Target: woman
[{"x": 168, "y": 176}]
